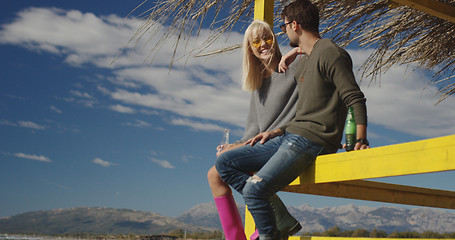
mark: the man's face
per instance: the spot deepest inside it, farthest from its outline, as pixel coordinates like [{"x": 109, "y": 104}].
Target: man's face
[{"x": 288, "y": 28}]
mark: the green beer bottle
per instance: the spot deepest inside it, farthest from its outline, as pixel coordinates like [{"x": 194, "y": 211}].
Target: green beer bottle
[{"x": 350, "y": 130}]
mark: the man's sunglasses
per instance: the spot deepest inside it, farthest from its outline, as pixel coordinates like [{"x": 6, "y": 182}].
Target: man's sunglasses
[{"x": 283, "y": 27}]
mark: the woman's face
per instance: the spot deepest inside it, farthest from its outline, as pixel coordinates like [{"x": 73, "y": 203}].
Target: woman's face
[{"x": 261, "y": 45}]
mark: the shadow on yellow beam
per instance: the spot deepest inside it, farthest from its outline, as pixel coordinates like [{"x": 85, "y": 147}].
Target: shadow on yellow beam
[{"x": 381, "y": 192}]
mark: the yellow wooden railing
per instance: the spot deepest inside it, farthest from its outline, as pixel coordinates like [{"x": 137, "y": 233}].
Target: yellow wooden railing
[{"x": 341, "y": 175}]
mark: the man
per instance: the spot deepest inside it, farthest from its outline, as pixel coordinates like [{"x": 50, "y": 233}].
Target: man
[{"x": 326, "y": 88}]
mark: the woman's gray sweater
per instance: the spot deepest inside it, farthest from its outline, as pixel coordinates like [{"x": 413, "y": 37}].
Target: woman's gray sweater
[{"x": 273, "y": 104}]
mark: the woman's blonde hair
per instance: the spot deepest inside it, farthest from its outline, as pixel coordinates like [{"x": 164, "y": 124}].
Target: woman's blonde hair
[{"x": 253, "y": 68}]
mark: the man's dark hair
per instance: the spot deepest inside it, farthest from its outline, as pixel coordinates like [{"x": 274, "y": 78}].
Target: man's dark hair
[{"x": 305, "y": 13}]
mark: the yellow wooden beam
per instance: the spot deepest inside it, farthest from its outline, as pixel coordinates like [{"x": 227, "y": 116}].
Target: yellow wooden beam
[
  {"x": 339, "y": 175},
  {"x": 380, "y": 192},
  {"x": 433, "y": 7},
  {"x": 431, "y": 155},
  {"x": 263, "y": 10},
  {"x": 250, "y": 226}
]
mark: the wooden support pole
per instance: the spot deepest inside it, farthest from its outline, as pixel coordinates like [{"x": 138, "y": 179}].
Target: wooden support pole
[
  {"x": 250, "y": 226},
  {"x": 263, "y": 10}
]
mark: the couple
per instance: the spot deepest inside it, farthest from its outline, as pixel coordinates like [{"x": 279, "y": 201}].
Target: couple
[{"x": 285, "y": 132}]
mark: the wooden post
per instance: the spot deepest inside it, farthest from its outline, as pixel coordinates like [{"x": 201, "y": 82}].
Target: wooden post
[
  {"x": 250, "y": 227},
  {"x": 263, "y": 10}
]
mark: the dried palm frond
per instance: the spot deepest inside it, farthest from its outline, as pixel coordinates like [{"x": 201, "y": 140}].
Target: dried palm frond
[
  {"x": 399, "y": 35},
  {"x": 186, "y": 17}
]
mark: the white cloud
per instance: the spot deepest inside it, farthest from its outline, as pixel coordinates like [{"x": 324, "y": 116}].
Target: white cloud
[
  {"x": 81, "y": 94},
  {"x": 403, "y": 100},
  {"x": 122, "y": 109},
  {"x": 29, "y": 124},
  {"x": 33, "y": 157},
  {"x": 7, "y": 123},
  {"x": 138, "y": 123},
  {"x": 162, "y": 163},
  {"x": 186, "y": 92},
  {"x": 149, "y": 112},
  {"x": 196, "y": 125},
  {"x": 202, "y": 92},
  {"x": 82, "y": 37},
  {"x": 205, "y": 88},
  {"x": 24, "y": 124},
  {"x": 102, "y": 162},
  {"x": 186, "y": 158},
  {"x": 82, "y": 98},
  {"x": 55, "y": 109}
]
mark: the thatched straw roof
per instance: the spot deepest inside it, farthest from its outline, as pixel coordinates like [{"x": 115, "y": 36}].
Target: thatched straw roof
[{"x": 399, "y": 34}]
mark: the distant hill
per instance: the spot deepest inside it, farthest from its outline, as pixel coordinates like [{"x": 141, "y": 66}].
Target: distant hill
[
  {"x": 347, "y": 217},
  {"x": 205, "y": 214},
  {"x": 388, "y": 219},
  {"x": 204, "y": 217},
  {"x": 93, "y": 220}
]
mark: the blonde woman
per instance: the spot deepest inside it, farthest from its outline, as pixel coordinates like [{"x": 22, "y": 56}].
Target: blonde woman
[{"x": 272, "y": 104}]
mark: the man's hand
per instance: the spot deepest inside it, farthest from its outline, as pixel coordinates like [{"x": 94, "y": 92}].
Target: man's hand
[
  {"x": 263, "y": 137},
  {"x": 358, "y": 146},
  {"x": 361, "y": 134},
  {"x": 288, "y": 58}
]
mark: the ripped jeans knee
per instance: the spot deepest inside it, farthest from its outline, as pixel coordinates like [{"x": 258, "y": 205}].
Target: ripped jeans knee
[
  {"x": 254, "y": 179},
  {"x": 255, "y": 191}
]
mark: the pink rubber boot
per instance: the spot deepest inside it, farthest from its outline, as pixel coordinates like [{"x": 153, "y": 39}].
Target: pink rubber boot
[{"x": 230, "y": 218}]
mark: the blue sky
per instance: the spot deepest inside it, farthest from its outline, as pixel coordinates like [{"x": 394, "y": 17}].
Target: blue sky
[{"x": 78, "y": 130}]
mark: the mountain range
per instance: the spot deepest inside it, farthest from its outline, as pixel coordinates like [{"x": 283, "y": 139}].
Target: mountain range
[
  {"x": 348, "y": 217},
  {"x": 204, "y": 217},
  {"x": 94, "y": 220}
]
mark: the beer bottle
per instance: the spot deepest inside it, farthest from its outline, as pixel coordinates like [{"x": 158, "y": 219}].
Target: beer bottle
[{"x": 350, "y": 130}]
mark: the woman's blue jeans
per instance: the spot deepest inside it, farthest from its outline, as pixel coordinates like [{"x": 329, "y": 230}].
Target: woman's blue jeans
[{"x": 277, "y": 162}]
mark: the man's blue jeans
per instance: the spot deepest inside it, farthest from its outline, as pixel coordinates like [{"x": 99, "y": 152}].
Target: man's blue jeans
[{"x": 277, "y": 162}]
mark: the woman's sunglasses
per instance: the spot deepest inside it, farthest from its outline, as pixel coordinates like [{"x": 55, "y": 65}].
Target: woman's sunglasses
[{"x": 258, "y": 41}]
